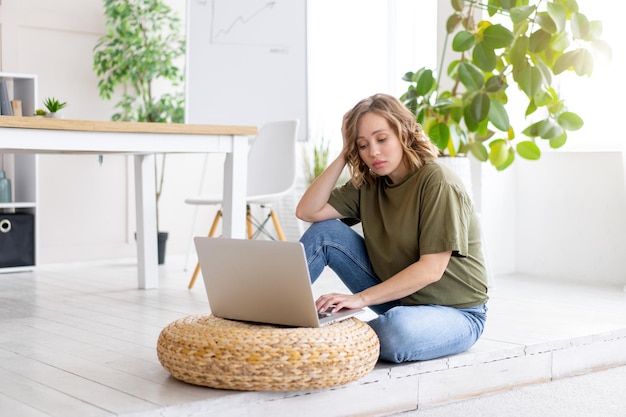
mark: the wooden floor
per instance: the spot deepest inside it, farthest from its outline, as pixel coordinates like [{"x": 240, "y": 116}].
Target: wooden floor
[{"x": 80, "y": 340}]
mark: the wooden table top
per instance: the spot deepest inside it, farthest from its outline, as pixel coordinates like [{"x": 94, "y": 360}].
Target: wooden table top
[{"x": 127, "y": 127}]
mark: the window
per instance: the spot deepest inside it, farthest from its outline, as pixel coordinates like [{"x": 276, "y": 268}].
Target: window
[{"x": 361, "y": 47}]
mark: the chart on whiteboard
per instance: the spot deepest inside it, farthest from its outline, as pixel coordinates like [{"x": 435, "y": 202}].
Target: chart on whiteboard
[
  {"x": 246, "y": 62},
  {"x": 246, "y": 23}
]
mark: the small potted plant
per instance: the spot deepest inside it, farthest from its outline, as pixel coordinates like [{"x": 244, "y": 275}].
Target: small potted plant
[
  {"x": 54, "y": 106},
  {"x": 314, "y": 165}
]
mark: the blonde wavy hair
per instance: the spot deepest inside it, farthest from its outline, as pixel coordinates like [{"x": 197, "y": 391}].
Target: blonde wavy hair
[{"x": 417, "y": 148}]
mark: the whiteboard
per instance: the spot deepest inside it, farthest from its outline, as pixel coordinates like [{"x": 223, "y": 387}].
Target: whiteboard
[{"x": 246, "y": 62}]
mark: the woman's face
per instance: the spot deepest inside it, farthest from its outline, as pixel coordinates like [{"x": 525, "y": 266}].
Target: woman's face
[{"x": 380, "y": 148}]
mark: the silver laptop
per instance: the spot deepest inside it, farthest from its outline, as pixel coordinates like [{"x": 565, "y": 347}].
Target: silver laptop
[{"x": 261, "y": 281}]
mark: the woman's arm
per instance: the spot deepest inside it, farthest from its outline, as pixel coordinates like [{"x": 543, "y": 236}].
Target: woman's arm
[
  {"x": 427, "y": 270},
  {"x": 313, "y": 206}
]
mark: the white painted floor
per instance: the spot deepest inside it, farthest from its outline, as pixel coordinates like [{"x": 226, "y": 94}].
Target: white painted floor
[
  {"x": 80, "y": 340},
  {"x": 594, "y": 394}
]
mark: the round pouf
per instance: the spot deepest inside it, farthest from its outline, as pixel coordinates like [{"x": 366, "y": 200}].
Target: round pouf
[{"x": 219, "y": 353}]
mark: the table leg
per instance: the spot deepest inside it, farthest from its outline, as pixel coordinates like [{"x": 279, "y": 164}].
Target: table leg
[
  {"x": 145, "y": 200},
  {"x": 235, "y": 179}
]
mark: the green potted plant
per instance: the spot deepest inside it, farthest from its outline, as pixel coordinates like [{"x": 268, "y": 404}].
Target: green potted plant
[
  {"x": 500, "y": 43},
  {"x": 54, "y": 107},
  {"x": 315, "y": 162},
  {"x": 143, "y": 46}
]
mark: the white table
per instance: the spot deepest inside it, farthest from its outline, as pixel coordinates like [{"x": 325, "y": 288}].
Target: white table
[{"x": 143, "y": 140}]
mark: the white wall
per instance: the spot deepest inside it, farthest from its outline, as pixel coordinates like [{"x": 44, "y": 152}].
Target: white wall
[{"x": 570, "y": 217}]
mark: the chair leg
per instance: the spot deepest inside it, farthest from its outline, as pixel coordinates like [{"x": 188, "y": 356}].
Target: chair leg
[
  {"x": 216, "y": 221},
  {"x": 279, "y": 229},
  {"x": 196, "y": 271},
  {"x": 249, "y": 221}
]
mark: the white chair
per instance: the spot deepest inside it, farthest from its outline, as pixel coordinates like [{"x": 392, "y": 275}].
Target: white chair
[{"x": 271, "y": 175}]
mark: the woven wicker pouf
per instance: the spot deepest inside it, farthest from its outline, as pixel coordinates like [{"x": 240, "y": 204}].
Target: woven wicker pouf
[{"x": 218, "y": 353}]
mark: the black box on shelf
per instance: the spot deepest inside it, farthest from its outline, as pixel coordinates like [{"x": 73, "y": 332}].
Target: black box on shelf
[{"x": 17, "y": 239}]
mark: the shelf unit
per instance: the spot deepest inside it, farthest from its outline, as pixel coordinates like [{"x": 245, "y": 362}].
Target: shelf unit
[{"x": 21, "y": 169}]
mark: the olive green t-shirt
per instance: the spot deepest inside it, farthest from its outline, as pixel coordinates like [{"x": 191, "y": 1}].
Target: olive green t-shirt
[{"x": 429, "y": 211}]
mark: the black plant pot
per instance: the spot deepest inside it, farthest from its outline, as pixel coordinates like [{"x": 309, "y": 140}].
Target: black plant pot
[{"x": 162, "y": 240}]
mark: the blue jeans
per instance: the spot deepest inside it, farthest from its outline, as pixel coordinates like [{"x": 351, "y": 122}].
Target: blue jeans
[{"x": 406, "y": 333}]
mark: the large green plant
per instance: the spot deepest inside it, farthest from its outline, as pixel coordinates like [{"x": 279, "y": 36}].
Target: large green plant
[
  {"x": 524, "y": 43},
  {"x": 141, "y": 48},
  {"x": 140, "y": 52}
]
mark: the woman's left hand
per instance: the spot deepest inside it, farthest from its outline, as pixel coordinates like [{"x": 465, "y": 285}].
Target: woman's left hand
[{"x": 335, "y": 302}]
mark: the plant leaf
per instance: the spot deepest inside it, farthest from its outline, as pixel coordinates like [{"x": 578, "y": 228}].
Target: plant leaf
[
  {"x": 546, "y": 23},
  {"x": 580, "y": 26},
  {"x": 495, "y": 83},
  {"x": 570, "y": 6},
  {"x": 479, "y": 151},
  {"x": 497, "y": 36},
  {"x": 498, "y": 152},
  {"x": 480, "y": 107},
  {"x": 521, "y": 13},
  {"x": 570, "y": 121},
  {"x": 484, "y": 58},
  {"x": 457, "y": 5},
  {"x": 452, "y": 22},
  {"x": 528, "y": 150},
  {"x": 470, "y": 121},
  {"x": 529, "y": 80},
  {"x": 595, "y": 30},
  {"x": 424, "y": 82},
  {"x": 408, "y": 76},
  {"x": 558, "y": 141},
  {"x": 564, "y": 62},
  {"x": 470, "y": 76},
  {"x": 510, "y": 133},
  {"x": 509, "y": 160},
  {"x": 498, "y": 115},
  {"x": 539, "y": 41},
  {"x": 584, "y": 63},
  {"x": 507, "y": 4},
  {"x": 518, "y": 50},
  {"x": 439, "y": 134},
  {"x": 558, "y": 15},
  {"x": 546, "y": 72},
  {"x": 493, "y": 6},
  {"x": 463, "y": 41},
  {"x": 580, "y": 60},
  {"x": 532, "y": 130},
  {"x": 548, "y": 129}
]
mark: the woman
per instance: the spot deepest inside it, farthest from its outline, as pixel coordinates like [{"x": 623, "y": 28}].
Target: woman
[{"x": 419, "y": 265}]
